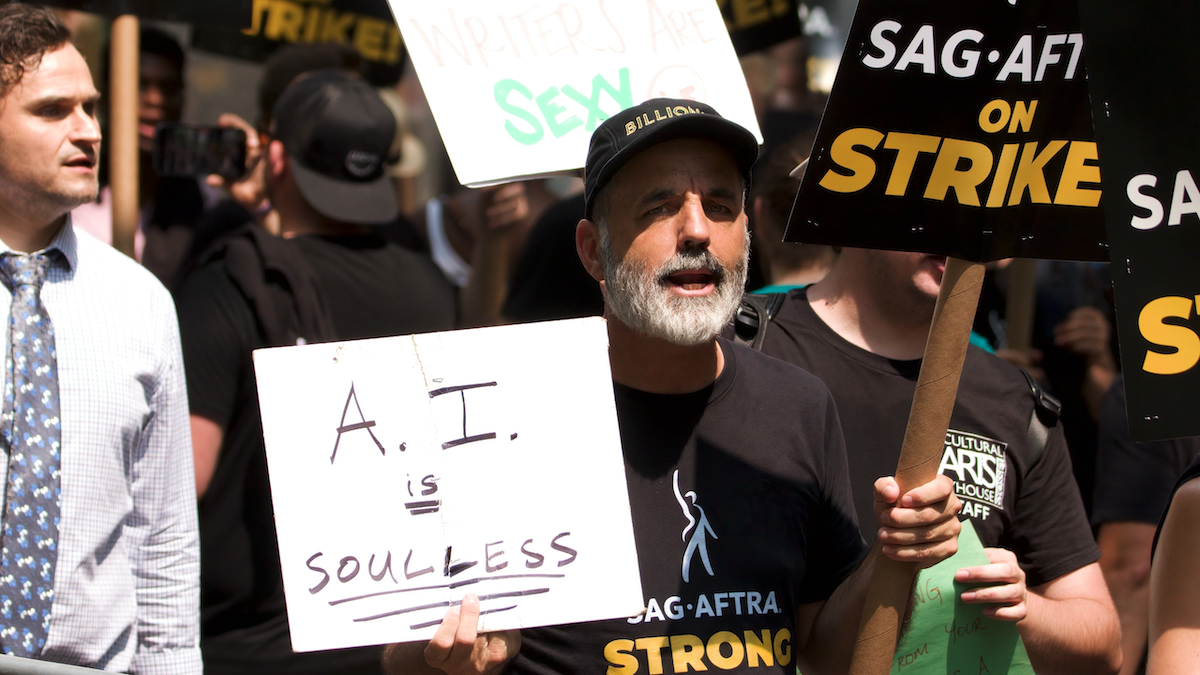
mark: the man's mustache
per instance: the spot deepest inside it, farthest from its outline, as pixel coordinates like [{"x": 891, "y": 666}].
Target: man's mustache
[{"x": 693, "y": 260}]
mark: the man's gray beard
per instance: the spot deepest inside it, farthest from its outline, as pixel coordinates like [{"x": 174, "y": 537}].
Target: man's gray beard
[{"x": 641, "y": 298}]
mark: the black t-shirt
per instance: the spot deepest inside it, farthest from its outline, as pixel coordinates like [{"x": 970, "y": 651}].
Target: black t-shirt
[
  {"x": 1034, "y": 511},
  {"x": 372, "y": 288},
  {"x": 741, "y": 513},
  {"x": 1133, "y": 480},
  {"x": 548, "y": 281}
]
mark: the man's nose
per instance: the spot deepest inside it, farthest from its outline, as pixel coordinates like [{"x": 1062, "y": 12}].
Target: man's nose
[
  {"x": 694, "y": 229},
  {"x": 85, "y": 129},
  {"x": 152, "y": 95}
]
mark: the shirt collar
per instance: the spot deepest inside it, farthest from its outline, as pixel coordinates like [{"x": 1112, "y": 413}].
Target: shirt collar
[{"x": 64, "y": 242}]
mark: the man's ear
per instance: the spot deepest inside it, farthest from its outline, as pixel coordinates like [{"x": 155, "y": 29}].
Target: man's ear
[
  {"x": 278, "y": 163},
  {"x": 587, "y": 245}
]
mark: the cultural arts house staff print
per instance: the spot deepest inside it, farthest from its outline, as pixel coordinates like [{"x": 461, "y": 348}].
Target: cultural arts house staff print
[{"x": 407, "y": 472}]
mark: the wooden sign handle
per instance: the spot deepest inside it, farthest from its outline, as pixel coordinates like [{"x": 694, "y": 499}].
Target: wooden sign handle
[
  {"x": 123, "y": 132},
  {"x": 890, "y": 586}
]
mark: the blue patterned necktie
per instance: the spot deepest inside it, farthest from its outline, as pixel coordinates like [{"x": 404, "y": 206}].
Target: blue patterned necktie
[{"x": 31, "y": 430}]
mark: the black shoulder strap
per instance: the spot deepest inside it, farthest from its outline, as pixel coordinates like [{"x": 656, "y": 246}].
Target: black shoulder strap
[
  {"x": 275, "y": 278},
  {"x": 1046, "y": 410},
  {"x": 754, "y": 314}
]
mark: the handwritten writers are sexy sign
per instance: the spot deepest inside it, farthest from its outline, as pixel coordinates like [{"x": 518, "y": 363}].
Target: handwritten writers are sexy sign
[
  {"x": 409, "y": 471},
  {"x": 518, "y": 87}
]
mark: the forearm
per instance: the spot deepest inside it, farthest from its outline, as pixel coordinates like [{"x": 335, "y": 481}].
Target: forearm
[
  {"x": 1071, "y": 635},
  {"x": 1135, "y": 620},
  {"x": 1128, "y": 580}
]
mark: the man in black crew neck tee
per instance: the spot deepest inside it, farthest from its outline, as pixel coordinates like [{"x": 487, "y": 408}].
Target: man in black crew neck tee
[
  {"x": 862, "y": 330},
  {"x": 736, "y": 469},
  {"x": 332, "y": 276}
]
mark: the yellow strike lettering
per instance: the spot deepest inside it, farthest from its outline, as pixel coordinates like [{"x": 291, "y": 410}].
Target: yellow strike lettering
[
  {"x": 985, "y": 116},
  {"x": 680, "y": 110},
  {"x": 783, "y": 648},
  {"x": 311, "y": 23},
  {"x": 620, "y": 659},
  {"x": 861, "y": 166},
  {"x": 946, "y": 174},
  {"x": 284, "y": 21},
  {"x": 1022, "y": 117},
  {"x": 639, "y": 121},
  {"x": 1031, "y": 173},
  {"x": 907, "y": 147},
  {"x": 653, "y": 647},
  {"x": 1075, "y": 172},
  {"x": 1004, "y": 168},
  {"x": 658, "y": 117},
  {"x": 736, "y": 654},
  {"x": 256, "y": 13},
  {"x": 1156, "y": 331},
  {"x": 392, "y": 54},
  {"x": 758, "y": 650},
  {"x": 369, "y": 35},
  {"x": 750, "y": 12},
  {"x": 335, "y": 27},
  {"x": 687, "y": 651},
  {"x": 630, "y": 127}
]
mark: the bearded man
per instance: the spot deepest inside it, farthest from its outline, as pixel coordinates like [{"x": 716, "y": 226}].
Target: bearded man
[{"x": 745, "y": 527}]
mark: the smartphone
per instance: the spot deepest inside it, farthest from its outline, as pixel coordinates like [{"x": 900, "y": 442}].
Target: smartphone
[{"x": 196, "y": 150}]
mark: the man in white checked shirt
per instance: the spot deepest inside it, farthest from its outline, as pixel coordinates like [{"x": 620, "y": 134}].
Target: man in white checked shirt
[{"x": 98, "y": 544}]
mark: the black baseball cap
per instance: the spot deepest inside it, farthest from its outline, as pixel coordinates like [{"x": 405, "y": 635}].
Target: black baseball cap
[
  {"x": 629, "y": 132},
  {"x": 338, "y": 132}
]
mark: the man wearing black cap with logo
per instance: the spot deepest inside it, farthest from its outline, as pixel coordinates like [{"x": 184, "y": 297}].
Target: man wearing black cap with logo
[
  {"x": 737, "y": 477},
  {"x": 330, "y": 277}
]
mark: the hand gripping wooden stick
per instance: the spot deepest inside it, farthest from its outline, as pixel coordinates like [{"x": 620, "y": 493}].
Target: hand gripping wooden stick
[{"x": 890, "y": 585}]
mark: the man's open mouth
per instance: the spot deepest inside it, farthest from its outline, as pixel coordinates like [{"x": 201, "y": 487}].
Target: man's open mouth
[{"x": 694, "y": 280}]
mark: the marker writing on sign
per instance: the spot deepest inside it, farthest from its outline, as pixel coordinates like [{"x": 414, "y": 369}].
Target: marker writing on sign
[
  {"x": 528, "y": 128},
  {"x": 461, "y": 391},
  {"x": 362, "y": 424}
]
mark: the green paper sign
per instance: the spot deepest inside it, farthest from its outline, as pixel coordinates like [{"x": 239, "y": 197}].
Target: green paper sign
[{"x": 946, "y": 636}]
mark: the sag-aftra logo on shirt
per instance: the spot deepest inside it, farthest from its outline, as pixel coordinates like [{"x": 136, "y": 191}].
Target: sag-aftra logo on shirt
[
  {"x": 745, "y": 645},
  {"x": 977, "y": 465}
]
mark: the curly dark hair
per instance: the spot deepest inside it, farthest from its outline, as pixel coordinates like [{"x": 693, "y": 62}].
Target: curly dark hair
[{"x": 27, "y": 32}]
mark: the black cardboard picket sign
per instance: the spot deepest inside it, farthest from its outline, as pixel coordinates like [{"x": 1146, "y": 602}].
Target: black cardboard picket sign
[
  {"x": 758, "y": 24},
  {"x": 1145, "y": 94},
  {"x": 940, "y": 108},
  {"x": 367, "y": 26}
]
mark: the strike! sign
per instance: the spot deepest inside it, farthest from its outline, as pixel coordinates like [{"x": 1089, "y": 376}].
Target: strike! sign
[
  {"x": 1145, "y": 105},
  {"x": 957, "y": 128},
  {"x": 517, "y": 88}
]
